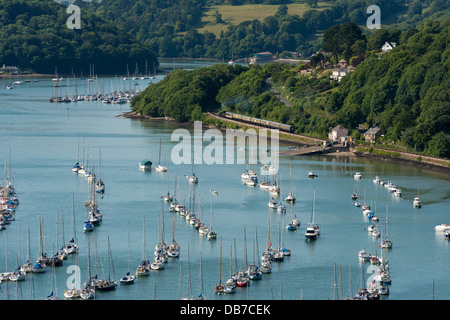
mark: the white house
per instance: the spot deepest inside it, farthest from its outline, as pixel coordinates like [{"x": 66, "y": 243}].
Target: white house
[
  {"x": 388, "y": 46},
  {"x": 337, "y": 132},
  {"x": 338, "y": 74}
]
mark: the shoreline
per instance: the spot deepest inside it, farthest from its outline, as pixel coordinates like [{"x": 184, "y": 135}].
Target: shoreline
[{"x": 351, "y": 152}]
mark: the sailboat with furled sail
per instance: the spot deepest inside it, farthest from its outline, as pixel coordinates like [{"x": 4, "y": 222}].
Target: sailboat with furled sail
[
  {"x": 386, "y": 243},
  {"x": 159, "y": 167},
  {"x": 128, "y": 278},
  {"x": 290, "y": 197},
  {"x": 313, "y": 229},
  {"x": 99, "y": 184},
  {"x": 108, "y": 284},
  {"x": 144, "y": 267}
]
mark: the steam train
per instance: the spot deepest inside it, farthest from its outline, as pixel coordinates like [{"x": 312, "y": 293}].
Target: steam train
[{"x": 256, "y": 121}]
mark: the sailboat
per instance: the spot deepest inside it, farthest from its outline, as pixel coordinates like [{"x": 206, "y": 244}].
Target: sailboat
[
  {"x": 144, "y": 267},
  {"x": 211, "y": 234},
  {"x": 40, "y": 265},
  {"x": 243, "y": 279},
  {"x": 88, "y": 292},
  {"x": 173, "y": 251},
  {"x": 386, "y": 243},
  {"x": 107, "y": 285},
  {"x": 72, "y": 247},
  {"x": 290, "y": 197},
  {"x": 219, "y": 288},
  {"x": 193, "y": 178},
  {"x": 254, "y": 272},
  {"x": 160, "y": 168},
  {"x": 74, "y": 292},
  {"x": 128, "y": 278},
  {"x": 99, "y": 184},
  {"x": 313, "y": 229},
  {"x": 354, "y": 195},
  {"x": 201, "y": 296}
]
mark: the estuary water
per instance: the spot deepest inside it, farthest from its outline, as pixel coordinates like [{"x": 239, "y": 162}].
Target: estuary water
[{"x": 41, "y": 141}]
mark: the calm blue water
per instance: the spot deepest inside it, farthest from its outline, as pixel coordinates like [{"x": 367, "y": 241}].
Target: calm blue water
[{"x": 43, "y": 141}]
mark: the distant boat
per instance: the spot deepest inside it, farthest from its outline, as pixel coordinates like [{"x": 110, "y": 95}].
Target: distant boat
[
  {"x": 311, "y": 174},
  {"x": 416, "y": 202},
  {"x": 357, "y": 175},
  {"x": 354, "y": 195},
  {"x": 145, "y": 165},
  {"x": 363, "y": 255}
]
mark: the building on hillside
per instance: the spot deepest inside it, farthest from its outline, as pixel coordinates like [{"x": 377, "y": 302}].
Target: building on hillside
[
  {"x": 371, "y": 134},
  {"x": 388, "y": 46},
  {"x": 9, "y": 69},
  {"x": 262, "y": 57},
  {"x": 337, "y": 133},
  {"x": 339, "y": 73}
]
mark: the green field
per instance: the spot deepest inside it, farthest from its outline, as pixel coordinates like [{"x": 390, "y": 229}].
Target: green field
[{"x": 237, "y": 14}]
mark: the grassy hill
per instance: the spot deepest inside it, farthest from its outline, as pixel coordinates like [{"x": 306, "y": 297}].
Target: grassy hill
[{"x": 237, "y": 14}]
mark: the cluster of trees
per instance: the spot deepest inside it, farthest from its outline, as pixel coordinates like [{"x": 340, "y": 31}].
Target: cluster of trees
[
  {"x": 184, "y": 95},
  {"x": 34, "y": 36},
  {"x": 407, "y": 91},
  {"x": 169, "y": 27}
]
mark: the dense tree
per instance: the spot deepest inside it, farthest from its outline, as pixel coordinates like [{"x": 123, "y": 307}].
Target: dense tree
[{"x": 35, "y": 36}]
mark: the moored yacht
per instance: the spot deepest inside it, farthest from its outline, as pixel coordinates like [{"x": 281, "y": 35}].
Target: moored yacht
[{"x": 145, "y": 165}]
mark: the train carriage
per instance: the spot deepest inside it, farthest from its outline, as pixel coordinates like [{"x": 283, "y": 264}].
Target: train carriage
[{"x": 257, "y": 121}]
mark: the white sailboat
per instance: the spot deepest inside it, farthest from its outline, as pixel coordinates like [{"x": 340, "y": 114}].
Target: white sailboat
[
  {"x": 159, "y": 167},
  {"x": 386, "y": 243},
  {"x": 290, "y": 197},
  {"x": 99, "y": 184},
  {"x": 128, "y": 278},
  {"x": 212, "y": 233},
  {"x": 313, "y": 230},
  {"x": 144, "y": 267},
  {"x": 416, "y": 202}
]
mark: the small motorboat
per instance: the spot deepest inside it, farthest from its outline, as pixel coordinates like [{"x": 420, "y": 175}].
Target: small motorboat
[
  {"x": 416, "y": 203},
  {"x": 357, "y": 175},
  {"x": 364, "y": 256},
  {"x": 145, "y": 165},
  {"x": 311, "y": 174}
]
